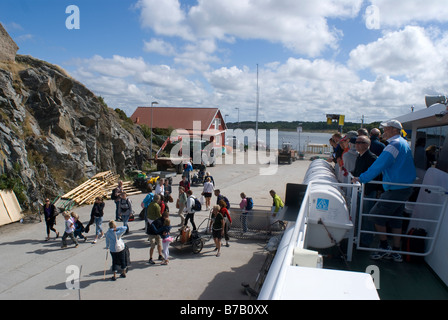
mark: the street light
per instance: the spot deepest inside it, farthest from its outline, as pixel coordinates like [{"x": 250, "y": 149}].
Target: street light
[
  {"x": 238, "y": 116},
  {"x": 152, "y": 108}
]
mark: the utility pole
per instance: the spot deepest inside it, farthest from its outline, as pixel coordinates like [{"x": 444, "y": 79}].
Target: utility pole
[{"x": 258, "y": 106}]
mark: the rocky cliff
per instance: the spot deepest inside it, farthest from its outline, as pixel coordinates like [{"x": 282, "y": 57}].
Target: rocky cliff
[{"x": 55, "y": 133}]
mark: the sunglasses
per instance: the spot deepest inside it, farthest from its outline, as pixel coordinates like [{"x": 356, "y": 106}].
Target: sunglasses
[{"x": 360, "y": 142}]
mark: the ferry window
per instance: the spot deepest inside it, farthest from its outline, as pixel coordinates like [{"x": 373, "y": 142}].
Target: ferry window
[{"x": 434, "y": 138}]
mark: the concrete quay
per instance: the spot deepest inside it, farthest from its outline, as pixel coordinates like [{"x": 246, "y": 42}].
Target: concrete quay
[{"x": 36, "y": 269}]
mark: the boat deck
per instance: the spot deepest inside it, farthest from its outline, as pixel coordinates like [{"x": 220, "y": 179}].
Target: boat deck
[{"x": 397, "y": 281}]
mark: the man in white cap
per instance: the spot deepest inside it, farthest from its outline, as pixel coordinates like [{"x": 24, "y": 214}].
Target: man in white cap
[{"x": 397, "y": 166}]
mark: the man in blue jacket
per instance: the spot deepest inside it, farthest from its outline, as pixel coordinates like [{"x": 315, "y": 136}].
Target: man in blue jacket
[{"x": 397, "y": 166}]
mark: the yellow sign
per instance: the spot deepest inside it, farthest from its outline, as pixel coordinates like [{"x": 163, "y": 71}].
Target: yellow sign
[
  {"x": 341, "y": 120},
  {"x": 403, "y": 133}
]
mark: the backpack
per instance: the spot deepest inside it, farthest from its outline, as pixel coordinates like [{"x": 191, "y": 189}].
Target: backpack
[
  {"x": 250, "y": 203},
  {"x": 153, "y": 228},
  {"x": 197, "y": 205},
  {"x": 221, "y": 197},
  {"x": 124, "y": 205}
]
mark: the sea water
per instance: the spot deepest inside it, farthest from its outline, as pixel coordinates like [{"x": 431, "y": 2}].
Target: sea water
[
  {"x": 298, "y": 141},
  {"x": 305, "y": 138}
]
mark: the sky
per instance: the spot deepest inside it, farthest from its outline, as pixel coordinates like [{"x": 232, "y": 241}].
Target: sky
[{"x": 361, "y": 58}]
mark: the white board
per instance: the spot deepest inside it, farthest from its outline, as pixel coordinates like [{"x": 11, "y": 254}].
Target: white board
[
  {"x": 438, "y": 259},
  {"x": 11, "y": 204},
  {"x": 4, "y": 216}
]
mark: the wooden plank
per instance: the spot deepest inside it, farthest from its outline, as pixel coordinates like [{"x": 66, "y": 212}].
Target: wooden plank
[
  {"x": 92, "y": 194},
  {"x": 12, "y": 205},
  {"x": 101, "y": 185},
  {"x": 134, "y": 192},
  {"x": 102, "y": 174},
  {"x": 81, "y": 198},
  {"x": 78, "y": 189},
  {"x": 93, "y": 184}
]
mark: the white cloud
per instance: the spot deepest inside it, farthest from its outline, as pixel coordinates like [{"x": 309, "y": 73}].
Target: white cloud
[
  {"x": 408, "y": 52},
  {"x": 400, "y": 13},
  {"x": 197, "y": 56},
  {"x": 159, "y": 46},
  {"x": 128, "y": 82},
  {"x": 164, "y": 17},
  {"x": 414, "y": 56},
  {"x": 403, "y": 65},
  {"x": 117, "y": 66},
  {"x": 277, "y": 21}
]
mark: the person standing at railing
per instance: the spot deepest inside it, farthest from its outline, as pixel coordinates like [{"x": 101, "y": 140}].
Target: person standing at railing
[
  {"x": 364, "y": 160},
  {"x": 397, "y": 166},
  {"x": 244, "y": 211}
]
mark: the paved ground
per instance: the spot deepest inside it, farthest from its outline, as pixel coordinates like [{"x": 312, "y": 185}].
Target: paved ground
[{"x": 34, "y": 269}]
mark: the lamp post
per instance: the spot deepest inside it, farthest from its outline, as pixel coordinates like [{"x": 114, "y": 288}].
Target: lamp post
[
  {"x": 152, "y": 107},
  {"x": 238, "y": 116}
]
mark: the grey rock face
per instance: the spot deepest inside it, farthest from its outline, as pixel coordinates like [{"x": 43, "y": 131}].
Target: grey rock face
[{"x": 57, "y": 131}]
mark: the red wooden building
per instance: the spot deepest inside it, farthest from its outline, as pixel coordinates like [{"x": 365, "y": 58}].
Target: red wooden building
[{"x": 205, "y": 121}]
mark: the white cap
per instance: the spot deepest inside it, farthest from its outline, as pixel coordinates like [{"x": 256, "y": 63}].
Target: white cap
[{"x": 392, "y": 123}]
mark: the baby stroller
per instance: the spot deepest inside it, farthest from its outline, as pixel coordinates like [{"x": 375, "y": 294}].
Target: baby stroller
[{"x": 198, "y": 178}]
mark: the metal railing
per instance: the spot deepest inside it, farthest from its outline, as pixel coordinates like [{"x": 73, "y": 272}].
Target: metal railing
[
  {"x": 295, "y": 234},
  {"x": 431, "y": 237},
  {"x": 257, "y": 223}
]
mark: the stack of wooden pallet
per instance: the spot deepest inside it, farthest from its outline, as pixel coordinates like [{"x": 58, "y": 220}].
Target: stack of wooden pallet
[
  {"x": 100, "y": 185},
  {"x": 127, "y": 187}
]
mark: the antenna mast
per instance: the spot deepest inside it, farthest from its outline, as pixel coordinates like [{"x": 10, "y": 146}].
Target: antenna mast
[{"x": 258, "y": 105}]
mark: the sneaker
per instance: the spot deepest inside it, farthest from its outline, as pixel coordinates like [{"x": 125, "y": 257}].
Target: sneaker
[
  {"x": 160, "y": 258},
  {"x": 151, "y": 261},
  {"x": 377, "y": 255},
  {"x": 396, "y": 257}
]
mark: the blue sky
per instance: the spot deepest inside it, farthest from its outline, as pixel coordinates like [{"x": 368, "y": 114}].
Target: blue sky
[{"x": 314, "y": 57}]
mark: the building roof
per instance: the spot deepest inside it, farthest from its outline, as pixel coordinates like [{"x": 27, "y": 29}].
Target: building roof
[
  {"x": 425, "y": 117},
  {"x": 177, "y": 118}
]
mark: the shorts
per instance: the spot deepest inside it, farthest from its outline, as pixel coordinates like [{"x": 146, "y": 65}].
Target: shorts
[
  {"x": 217, "y": 234},
  {"x": 391, "y": 209},
  {"x": 207, "y": 194},
  {"x": 155, "y": 239}
]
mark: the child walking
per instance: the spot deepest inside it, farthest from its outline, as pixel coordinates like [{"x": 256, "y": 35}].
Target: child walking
[
  {"x": 79, "y": 227},
  {"x": 69, "y": 230},
  {"x": 166, "y": 239}
]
